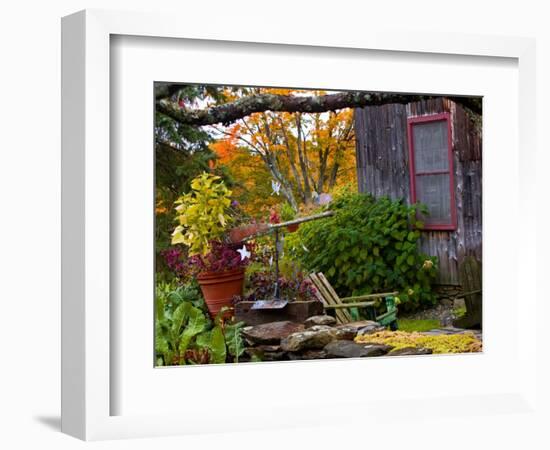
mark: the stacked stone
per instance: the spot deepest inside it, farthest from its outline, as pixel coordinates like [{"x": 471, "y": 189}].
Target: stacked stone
[{"x": 319, "y": 337}]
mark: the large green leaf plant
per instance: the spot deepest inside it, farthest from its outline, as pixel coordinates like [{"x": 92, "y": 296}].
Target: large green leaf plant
[{"x": 185, "y": 332}]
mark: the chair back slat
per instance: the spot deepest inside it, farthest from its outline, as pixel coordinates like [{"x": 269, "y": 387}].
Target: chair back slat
[{"x": 328, "y": 296}]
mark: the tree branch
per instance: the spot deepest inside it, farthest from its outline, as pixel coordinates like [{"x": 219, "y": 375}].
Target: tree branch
[{"x": 245, "y": 106}]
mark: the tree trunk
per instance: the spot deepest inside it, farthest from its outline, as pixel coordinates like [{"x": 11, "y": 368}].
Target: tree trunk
[
  {"x": 286, "y": 187},
  {"x": 302, "y": 158},
  {"x": 292, "y": 162},
  {"x": 470, "y": 274}
]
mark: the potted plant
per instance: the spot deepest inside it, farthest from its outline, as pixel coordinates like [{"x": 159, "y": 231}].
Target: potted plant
[
  {"x": 204, "y": 217},
  {"x": 288, "y": 213},
  {"x": 239, "y": 233}
]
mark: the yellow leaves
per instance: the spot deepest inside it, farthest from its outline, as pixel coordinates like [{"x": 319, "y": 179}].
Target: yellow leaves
[
  {"x": 202, "y": 214},
  {"x": 281, "y": 91},
  {"x": 177, "y": 236}
]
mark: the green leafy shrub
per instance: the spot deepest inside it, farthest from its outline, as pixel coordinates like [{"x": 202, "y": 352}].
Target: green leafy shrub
[{"x": 368, "y": 246}]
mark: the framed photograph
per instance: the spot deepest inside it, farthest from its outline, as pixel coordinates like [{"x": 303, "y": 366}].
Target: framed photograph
[
  {"x": 262, "y": 233},
  {"x": 297, "y": 224}
]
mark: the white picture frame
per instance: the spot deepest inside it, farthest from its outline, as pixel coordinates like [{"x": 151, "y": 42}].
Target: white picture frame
[{"x": 87, "y": 326}]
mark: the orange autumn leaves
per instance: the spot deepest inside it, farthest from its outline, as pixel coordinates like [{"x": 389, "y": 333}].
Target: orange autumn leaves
[{"x": 308, "y": 154}]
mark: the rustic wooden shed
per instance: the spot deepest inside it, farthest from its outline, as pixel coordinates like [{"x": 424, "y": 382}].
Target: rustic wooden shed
[{"x": 427, "y": 151}]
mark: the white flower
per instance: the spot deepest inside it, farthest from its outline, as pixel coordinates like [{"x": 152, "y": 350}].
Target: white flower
[{"x": 244, "y": 253}]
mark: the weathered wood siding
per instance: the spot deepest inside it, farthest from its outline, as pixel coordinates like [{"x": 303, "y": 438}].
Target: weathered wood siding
[{"x": 383, "y": 170}]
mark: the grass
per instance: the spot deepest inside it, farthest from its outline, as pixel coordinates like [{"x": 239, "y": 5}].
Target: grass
[{"x": 410, "y": 325}]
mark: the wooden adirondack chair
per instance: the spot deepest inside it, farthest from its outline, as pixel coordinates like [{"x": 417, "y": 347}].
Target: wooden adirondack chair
[{"x": 341, "y": 305}]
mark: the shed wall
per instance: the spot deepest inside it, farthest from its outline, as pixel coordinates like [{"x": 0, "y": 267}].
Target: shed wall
[{"x": 383, "y": 170}]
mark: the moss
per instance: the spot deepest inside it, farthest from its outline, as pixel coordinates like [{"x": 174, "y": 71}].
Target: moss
[
  {"x": 454, "y": 343},
  {"x": 459, "y": 311},
  {"x": 418, "y": 325}
]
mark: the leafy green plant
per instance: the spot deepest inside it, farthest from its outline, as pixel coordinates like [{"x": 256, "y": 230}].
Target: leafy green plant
[
  {"x": 202, "y": 214},
  {"x": 287, "y": 212},
  {"x": 186, "y": 335},
  {"x": 234, "y": 340},
  {"x": 170, "y": 295},
  {"x": 369, "y": 245},
  {"x": 223, "y": 340},
  {"x": 174, "y": 332},
  {"x": 214, "y": 341}
]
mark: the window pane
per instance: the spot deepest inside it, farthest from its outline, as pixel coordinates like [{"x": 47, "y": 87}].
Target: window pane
[
  {"x": 430, "y": 146},
  {"x": 434, "y": 192}
]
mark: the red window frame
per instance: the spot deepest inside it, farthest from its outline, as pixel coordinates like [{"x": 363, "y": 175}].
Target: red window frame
[{"x": 411, "y": 122}]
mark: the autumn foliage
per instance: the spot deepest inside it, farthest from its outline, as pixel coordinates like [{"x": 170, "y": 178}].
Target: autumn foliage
[{"x": 307, "y": 154}]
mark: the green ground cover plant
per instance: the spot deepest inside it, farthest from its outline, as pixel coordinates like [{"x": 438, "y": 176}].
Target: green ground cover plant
[{"x": 418, "y": 324}]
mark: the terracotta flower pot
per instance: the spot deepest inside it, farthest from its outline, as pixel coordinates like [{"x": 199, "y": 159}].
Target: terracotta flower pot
[
  {"x": 293, "y": 228},
  {"x": 218, "y": 288},
  {"x": 240, "y": 233}
]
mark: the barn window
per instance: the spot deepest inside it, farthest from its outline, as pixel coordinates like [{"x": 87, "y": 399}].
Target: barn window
[{"x": 431, "y": 169}]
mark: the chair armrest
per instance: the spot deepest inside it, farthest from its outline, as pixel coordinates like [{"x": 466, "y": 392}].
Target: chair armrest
[
  {"x": 386, "y": 314},
  {"x": 367, "y": 296},
  {"x": 350, "y": 305}
]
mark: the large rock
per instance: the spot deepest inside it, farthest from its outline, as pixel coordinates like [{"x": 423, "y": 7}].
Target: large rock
[
  {"x": 359, "y": 325},
  {"x": 369, "y": 329},
  {"x": 275, "y": 356},
  {"x": 320, "y": 320},
  {"x": 269, "y": 348},
  {"x": 411, "y": 351},
  {"x": 307, "y": 355},
  {"x": 266, "y": 353},
  {"x": 349, "y": 330},
  {"x": 344, "y": 349},
  {"x": 271, "y": 333},
  {"x": 320, "y": 328},
  {"x": 349, "y": 349},
  {"x": 344, "y": 332},
  {"x": 376, "y": 349},
  {"x": 315, "y": 337}
]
